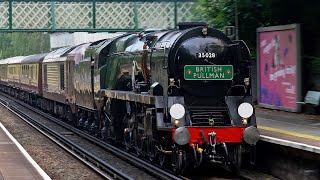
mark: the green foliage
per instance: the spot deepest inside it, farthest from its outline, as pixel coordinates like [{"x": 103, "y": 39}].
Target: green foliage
[
  {"x": 259, "y": 13},
  {"x": 22, "y": 44},
  {"x": 216, "y": 13}
]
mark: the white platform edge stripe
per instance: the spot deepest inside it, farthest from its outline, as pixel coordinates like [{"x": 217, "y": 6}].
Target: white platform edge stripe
[
  {"x": 25, "y": 153},
  {"x": 293, "y": 144}
]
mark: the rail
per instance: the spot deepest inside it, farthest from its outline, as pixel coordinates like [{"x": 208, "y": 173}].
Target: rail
[{"x": 84, "y": 156}]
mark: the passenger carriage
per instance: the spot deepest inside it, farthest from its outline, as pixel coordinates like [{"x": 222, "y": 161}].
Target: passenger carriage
[
  {"x": 54, "y": 80},
  {"x": 31, "y": 77}
]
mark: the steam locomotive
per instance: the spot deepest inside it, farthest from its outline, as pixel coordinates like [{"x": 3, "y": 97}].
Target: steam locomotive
[{"x": 180, "y": 96}]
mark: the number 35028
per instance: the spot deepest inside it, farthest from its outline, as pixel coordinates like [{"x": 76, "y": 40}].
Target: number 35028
[{"x": 206, "y": 55}]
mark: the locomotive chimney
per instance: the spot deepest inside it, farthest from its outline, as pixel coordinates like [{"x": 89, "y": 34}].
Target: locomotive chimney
[{"x": 187, "y": 25}]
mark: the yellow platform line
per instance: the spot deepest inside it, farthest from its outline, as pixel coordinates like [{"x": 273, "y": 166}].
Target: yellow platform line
[{"x": 290, "y": 133}]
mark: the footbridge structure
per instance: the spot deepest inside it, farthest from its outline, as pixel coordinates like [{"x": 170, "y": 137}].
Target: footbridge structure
[{"x": 92, "y": 15}]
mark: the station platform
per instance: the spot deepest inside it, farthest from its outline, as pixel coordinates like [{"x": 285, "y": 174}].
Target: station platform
[
  {"x": 15, "y": 162},
  {"x": 301, "y": 131}
]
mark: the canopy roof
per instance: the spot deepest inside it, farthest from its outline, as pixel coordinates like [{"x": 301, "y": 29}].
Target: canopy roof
[{"x": 58, "y": 55}]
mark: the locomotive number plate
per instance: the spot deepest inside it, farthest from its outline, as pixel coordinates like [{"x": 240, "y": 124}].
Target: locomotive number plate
[
  {"x": 206, "y": 55},
  {"x": 208, "y": 72}
]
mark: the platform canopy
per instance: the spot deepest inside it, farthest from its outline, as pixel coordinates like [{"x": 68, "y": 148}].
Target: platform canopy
[{"x": 92, "y": 15}]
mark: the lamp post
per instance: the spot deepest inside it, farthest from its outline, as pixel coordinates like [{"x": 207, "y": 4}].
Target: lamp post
[{"x": 236, "y": 20}]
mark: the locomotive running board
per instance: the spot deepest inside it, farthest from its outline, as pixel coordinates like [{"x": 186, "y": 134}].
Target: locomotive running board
[{"x": 132, "y": 96}]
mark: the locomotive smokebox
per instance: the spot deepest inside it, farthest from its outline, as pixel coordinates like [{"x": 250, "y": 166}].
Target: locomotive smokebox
[{"x": 185, "y": 52}]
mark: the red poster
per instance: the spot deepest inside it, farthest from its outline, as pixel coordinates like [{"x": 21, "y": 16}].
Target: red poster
[{"x": 278, "y": 68}]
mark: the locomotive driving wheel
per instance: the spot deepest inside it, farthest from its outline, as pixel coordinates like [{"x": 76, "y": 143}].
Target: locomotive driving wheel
[
  {"x": 129, "y": 131},
  {"x": 138, "y": 132},
  {"x": 138, "y": 139},
  {"x": 151, "y": 149},
  {"x": 106, "y": 121},
  {"x": 127, "y": 140}
]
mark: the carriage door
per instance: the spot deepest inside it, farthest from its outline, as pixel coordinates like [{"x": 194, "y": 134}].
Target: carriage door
[{"x": 62, "y": 77}]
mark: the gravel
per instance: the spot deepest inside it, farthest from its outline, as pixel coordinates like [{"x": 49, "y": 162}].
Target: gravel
[{"x": 56, "y": 162}]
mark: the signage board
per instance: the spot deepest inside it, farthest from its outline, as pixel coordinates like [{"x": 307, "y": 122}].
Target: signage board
[
  {"x": 279, "y": 73},
  {"x": 208, "y": 72}
]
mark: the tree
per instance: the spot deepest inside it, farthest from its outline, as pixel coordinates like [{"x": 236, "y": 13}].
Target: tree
[
  {"x": 22, "y": 44},
  {"x": 216, "y": 13}
]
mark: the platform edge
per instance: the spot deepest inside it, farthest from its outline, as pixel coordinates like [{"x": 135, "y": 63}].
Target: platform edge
[
  {"x": 41, "y": 172},
  {"x": 292, "y": 144}
]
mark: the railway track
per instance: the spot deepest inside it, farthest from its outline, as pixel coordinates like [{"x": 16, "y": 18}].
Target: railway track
[{"x": 69, "y": 139}]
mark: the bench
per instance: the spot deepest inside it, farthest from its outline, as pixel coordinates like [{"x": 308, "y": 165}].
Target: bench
[{"x": 311, "y": 102}]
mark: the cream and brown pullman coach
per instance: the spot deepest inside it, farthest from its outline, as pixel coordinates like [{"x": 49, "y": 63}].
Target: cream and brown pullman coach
[
  {"x": 54, "y": 79},
  {"x": 31, "y": 77},
  {"x": 31, "y": 73},
  {"x": 54, "y": 74}
]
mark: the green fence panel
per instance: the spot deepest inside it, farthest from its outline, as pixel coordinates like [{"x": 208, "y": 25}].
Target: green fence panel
[{"x": 93, "y": 15}]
